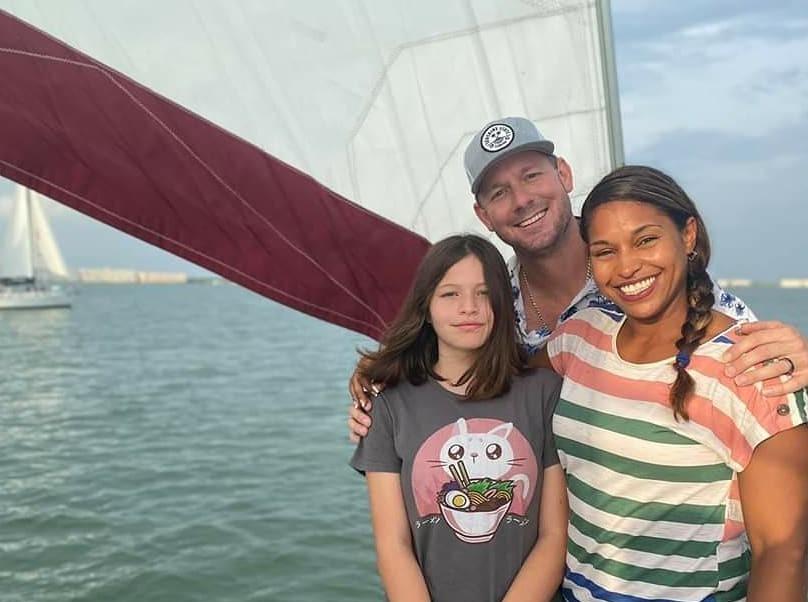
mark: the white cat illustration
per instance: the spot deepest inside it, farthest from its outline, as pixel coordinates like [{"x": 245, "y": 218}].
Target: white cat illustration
[{"x": 485, "y": 455}]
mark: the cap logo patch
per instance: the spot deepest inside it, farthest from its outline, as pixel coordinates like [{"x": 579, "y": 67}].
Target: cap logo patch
[{"x": 496, "y": 137}]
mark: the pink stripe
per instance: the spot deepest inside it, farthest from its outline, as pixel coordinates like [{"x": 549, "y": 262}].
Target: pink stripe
[{"x": 701, "y": 410}]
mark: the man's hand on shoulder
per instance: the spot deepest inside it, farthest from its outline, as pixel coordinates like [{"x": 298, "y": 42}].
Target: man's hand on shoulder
[
  {"x": 767, "y": 350},
  {"x": 361, "y": 391}
]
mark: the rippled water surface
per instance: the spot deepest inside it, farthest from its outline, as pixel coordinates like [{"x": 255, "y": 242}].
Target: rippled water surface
[{"x": 187, "y": 443}]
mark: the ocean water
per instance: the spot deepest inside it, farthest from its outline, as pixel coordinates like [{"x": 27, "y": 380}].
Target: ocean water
[{"x": 186, "y": 443}]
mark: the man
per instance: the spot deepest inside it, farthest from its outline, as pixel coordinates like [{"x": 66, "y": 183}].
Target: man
[{"x": 522, "y": 191}]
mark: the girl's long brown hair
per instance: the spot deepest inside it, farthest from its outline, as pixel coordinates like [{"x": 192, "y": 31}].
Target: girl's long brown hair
[
  {"x": 409, "y": 347},
  {"x": 651, "y": 186}
]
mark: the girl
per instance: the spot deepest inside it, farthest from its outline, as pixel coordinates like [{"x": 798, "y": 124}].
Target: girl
[
  {"x": 682, "y": 486},
  {"x": 467, "y": 499}
]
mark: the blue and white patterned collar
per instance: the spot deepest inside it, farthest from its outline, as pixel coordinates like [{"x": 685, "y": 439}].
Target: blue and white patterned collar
[{"x": 589, "y": 296}]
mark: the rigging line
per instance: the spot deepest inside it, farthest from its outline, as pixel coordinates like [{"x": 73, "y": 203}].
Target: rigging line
[
  {"x": 395, "y": 52},
  {"x": 207, "y": 168}
]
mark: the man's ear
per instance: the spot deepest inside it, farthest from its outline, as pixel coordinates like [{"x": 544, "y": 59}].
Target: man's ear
[
  {"x": 482, "y": 215},
  {"x": 565, "y": 175}
]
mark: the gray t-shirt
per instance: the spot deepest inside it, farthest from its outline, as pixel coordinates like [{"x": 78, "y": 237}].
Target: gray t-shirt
[{"x": 471, "y": 474}]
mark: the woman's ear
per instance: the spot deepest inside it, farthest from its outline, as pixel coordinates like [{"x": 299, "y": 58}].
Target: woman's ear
[{"x": 690, "y": 234}]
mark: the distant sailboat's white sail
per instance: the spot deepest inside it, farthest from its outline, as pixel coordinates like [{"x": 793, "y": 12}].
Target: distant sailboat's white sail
[
  {"x": 15, "y": 255},
  {"x": 48, "y": 260}
]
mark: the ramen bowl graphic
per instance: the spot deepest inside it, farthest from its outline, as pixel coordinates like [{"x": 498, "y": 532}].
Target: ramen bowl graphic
[
  {"x": 474, "y": 526},
  {"x": 475, "y": 508}
]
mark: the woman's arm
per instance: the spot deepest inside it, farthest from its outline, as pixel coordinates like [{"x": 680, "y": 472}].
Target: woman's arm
[
  {"x": 398, "y": 568},
  {"x": 774, "y": 499},
  {"x": 541, "y": 574}
]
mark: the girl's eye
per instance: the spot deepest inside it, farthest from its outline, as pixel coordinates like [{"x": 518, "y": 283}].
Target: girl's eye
[{"x": 483, "y": 292}]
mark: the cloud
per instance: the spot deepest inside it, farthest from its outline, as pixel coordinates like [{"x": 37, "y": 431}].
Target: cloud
[{"x": 725, "y": 76}]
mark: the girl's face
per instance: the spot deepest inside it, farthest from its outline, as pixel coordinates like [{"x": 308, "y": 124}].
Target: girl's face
[
  {"x": 639, "y": 258},
  {"x": 460, "y": 310}
]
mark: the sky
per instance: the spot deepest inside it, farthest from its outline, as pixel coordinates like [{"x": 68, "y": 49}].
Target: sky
[{"x": 712, "y": 92}]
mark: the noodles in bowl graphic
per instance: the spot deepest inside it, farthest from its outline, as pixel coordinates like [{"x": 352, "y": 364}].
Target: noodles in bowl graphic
[{"x": 474, "y": 508}]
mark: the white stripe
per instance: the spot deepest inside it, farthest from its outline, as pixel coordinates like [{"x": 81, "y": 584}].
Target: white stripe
[
  {"x": 646, "y": 411},
  {"x": 635, "y": 448},
  {"x": 640, "y": 589},
  {"x": 638, "y": 558},
  {"x": 638, "y": 526},
  {"x": 617, "y": 484},
  {"x": 711, "y": 387}
]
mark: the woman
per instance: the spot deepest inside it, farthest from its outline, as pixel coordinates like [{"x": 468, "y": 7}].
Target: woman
[
  {"x": 682, "y": 486},
  {"x": 468, "y": 501}
]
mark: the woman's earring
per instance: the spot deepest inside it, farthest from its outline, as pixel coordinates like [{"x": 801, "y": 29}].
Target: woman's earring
[{"x": 692, "y": 255}]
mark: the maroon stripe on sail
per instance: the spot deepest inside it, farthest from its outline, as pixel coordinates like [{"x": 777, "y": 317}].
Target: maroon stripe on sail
[{"x": 93, "y": 139}]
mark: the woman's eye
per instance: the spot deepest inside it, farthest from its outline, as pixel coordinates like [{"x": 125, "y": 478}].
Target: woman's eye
[
  {"x": 483, "y": 292},
  {"x": 646, "y": 240},
  {"x": 602, "y": 253}
]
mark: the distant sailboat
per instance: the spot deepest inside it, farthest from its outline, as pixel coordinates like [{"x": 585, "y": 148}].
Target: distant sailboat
[{"x": 30, "y": 261}]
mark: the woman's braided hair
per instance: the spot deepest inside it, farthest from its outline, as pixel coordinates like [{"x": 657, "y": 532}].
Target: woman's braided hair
[{"x": 651, "y": 186}]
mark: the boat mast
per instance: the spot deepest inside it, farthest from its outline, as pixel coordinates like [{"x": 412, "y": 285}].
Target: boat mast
[
  {"x": 30, "y": 219},
  {"x": 613, "y": 123}
]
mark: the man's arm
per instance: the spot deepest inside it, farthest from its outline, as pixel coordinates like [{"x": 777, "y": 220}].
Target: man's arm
[
  {"x": 401, "y": 576},
  {"x": 757, "y": 357},
  {"x": 774, "y": 499},
  {"x": 541, "y": 574}
]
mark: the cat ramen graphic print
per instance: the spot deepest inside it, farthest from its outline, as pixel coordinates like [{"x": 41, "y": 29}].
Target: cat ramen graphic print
[{"x": 474, "y": 474}]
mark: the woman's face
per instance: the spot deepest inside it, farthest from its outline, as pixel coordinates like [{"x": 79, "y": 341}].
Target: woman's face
[
  {"x": 639, "y": 258},
  {"x": 460, "y": 310}
]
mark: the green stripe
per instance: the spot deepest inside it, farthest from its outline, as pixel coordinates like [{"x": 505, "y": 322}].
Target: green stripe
[
  {"x": 693, "y": 514},
  {"x": 708, "y": 473},
  {"x": 644, "y": 543},
  {"x": 630, "y": 572},
  {"x": 738, "y": 592},
  {"x": 735, "y": 567},
  {"x": 802, "y": 405},
  {"x": 617, "y": 424}
]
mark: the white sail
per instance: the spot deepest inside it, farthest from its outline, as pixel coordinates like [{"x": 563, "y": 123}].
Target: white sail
[
  {"x": 48, "y": 260},
  {"x": 376, "y": 99},
  {"x": 15, "y": 255}
]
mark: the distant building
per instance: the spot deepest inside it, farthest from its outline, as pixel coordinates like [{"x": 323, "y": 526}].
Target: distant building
[
  {"x": 794, "y": 283},
  {"x": 734, "y": 282},
  {"x": 119, "y": 276}
]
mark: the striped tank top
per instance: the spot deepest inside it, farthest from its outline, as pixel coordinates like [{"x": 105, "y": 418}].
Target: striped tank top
[{"x": 655, "y": 510}]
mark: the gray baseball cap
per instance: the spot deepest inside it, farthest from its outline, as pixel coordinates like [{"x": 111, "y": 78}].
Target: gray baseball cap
[{"x": 497, "y": 140}]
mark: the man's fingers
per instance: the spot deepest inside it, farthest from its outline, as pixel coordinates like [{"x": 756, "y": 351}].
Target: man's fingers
[
  {"x": 359, "y": 389},
  {"x": 752, "y": 338},
  {"x": 357, "y": 429},
  {"x": 761, "y": 373},
  {"x": 357, "y": 414}
]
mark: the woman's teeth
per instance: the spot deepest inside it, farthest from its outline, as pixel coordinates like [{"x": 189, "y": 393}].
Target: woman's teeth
[
  {"x": 636, "y": 288},
  {"x": 532, "y": 219}
]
